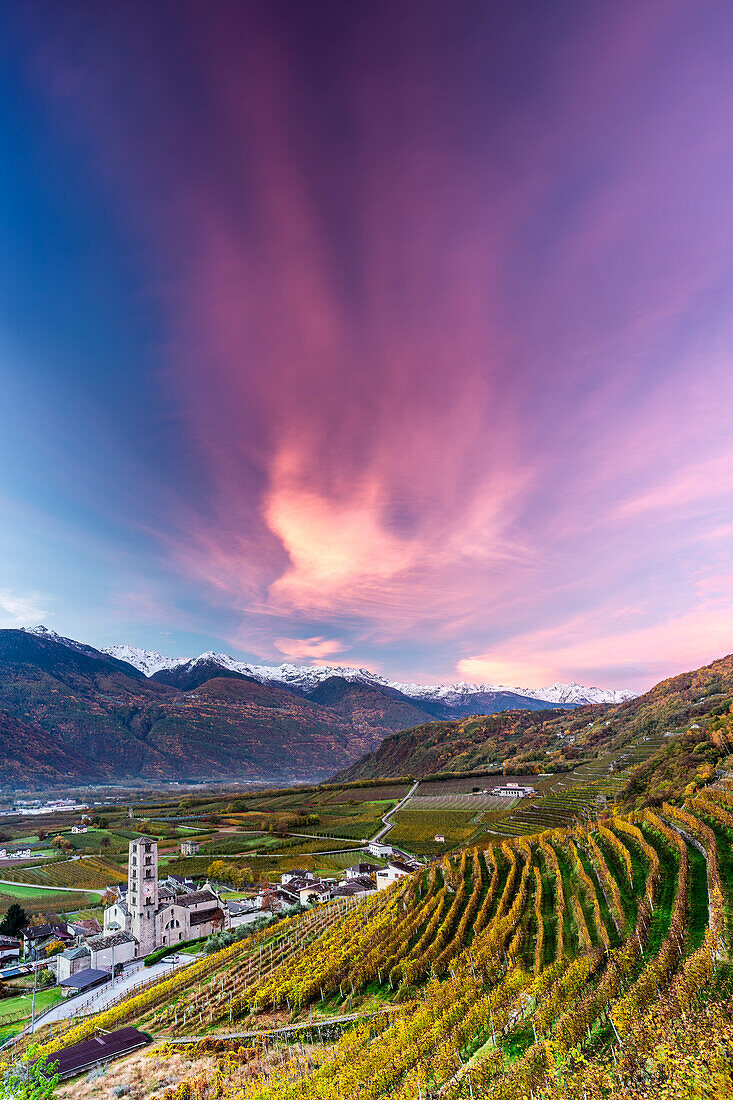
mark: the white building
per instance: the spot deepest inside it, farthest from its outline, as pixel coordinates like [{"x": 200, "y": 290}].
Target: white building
[
  {"x": 395, "y": 869},
  {"x": 380, "y": 850},
  {"x": 289, "y": 876},
  {"x": 107, "y": 951},
  {"x": 316, "y": 891},
  {"x": 360, "y": 869},
  {"x": 513, "y": 790}
]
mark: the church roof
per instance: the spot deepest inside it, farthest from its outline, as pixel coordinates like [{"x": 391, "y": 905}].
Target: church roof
[{"x": 196, "y": 898}]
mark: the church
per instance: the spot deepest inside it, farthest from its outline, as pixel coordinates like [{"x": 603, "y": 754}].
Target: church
[{"x": 157, "y": 918}]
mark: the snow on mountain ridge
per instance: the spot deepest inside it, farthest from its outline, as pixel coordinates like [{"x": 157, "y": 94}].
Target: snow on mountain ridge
[
  {"x": 306, "y": 678},
  {"x": 147, "y": 661}
]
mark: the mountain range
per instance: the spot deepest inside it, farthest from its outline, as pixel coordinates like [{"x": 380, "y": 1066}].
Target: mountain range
[
  {"x": 306, "y": 679},
  {"x": 70, "y": 713}
]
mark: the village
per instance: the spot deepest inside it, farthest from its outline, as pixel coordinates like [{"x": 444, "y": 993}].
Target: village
[{"x": 157, "y": 915}]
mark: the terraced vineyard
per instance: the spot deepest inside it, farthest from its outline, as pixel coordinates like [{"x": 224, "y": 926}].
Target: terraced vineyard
[
  {"x": 554, "y": 965},
  {"x": 576, "y": 796}
]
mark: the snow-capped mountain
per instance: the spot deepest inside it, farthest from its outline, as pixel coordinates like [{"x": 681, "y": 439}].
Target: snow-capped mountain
[
  {"x": 561, "y": 694},
  {"x": 147, "y": 661},
  {"x": 306, "y": 678}
]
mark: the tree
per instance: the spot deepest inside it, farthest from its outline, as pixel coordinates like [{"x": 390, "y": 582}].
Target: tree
[
  {"x": 30, "y": 1078},
  {"x": 54, "y": 948},
  {"x": 15, "y": 919}
]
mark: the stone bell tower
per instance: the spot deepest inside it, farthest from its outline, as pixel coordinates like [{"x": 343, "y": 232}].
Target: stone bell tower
[{"x": 142, "y": 892}]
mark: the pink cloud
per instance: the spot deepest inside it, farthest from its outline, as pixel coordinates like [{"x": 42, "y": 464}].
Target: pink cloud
[
  {"x": 447, "y": 363},
  {"x": 311, "y": 649}
]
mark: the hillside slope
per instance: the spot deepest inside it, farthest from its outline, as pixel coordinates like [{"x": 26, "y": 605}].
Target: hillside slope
[
  {"x": 692, "y": 703},
  {"x": 83, "y": 715}
]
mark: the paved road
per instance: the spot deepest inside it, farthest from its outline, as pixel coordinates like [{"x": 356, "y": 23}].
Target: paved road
[
  {"x": 386, "y": 823},
  {"x": 105, "y": 996}
]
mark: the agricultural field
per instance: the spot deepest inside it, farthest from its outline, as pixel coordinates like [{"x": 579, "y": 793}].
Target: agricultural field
[
  {"x": 415, "y": 830},
  {"x": 577, "y": 795},
  {"x": 475, "y": 802},
  {"x": 36, "y": 900},
  {"x": 587, "y": 961},
  {"x": 87, "y": 872}
]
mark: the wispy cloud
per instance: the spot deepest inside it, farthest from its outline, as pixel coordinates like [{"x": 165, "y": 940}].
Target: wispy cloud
[{"x": 23, "y": 608}]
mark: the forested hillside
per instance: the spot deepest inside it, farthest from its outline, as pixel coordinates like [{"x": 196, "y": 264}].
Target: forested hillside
[{"x": 691, "y": 704}]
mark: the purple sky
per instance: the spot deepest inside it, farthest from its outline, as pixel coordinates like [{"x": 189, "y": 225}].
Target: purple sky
[{"x": 385, "y": 334}]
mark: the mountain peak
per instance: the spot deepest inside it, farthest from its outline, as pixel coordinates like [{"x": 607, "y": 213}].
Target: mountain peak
[{"x": 306, "y": 678}]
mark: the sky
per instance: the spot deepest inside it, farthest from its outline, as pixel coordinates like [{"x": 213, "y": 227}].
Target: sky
[{"x": 384, "y": 334}]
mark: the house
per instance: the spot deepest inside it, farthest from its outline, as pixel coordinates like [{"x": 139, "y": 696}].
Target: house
[
  {"x": 277, "y": 899},
  {"x": 395, "y": 869},
  {"x": 109, "y": 950},
  {"x": 380, "y": 850},
  {"x": 76, "y": 829},
  {"x": 36, "y": 936},
  {"x": 314, "y": 891},
  {"x": 82, "y": 929},
  {"x": 72, "y": 960},
  {"x": 189, "y": 847},
  {"x": 289, "y": 876},
  {"x": 439, "y": 838},
  {"x": 9, "y": 949},
  {"x": 360, "y": 869},
  {"x": 356, "y": 887}
]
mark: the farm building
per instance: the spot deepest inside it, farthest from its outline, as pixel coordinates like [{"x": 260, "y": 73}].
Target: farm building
[
  {"x": 380, "y": 850},
  {"x": 78, "y": 829},
  {"x": 513, "y": 790}
]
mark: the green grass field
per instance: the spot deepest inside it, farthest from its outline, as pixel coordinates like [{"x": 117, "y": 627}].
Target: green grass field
[{"x": 15, "y": 1011}]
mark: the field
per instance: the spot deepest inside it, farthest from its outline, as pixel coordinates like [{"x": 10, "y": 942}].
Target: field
[
  {"x": 43, "y": 901},
  {"x": 415, "y": 829},
  {"x": 88, "y": 872},
  {"x": 474, "y": 802},
  {"x": 563, "y": 965},
  {"x": 16, "y": 1011}
]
